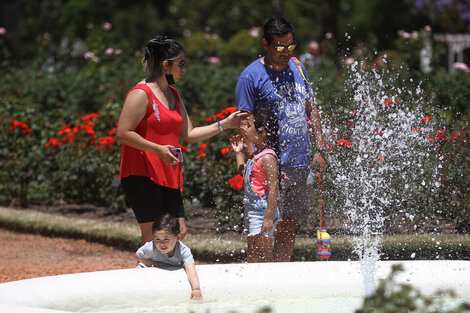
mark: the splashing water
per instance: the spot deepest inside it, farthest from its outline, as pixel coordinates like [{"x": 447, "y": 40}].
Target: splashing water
[{"x": 380, "y": 165}]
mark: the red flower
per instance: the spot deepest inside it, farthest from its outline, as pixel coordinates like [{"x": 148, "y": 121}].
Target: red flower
[
  {"x": 15, "y": 124},
  {"x": 108, "y": 140},
  {"x": 68, "y": 138},
  {"x": 381, "y": 158},
  {"x": 224, "y": 151},
  {"x": 112, "y": 132},
  {"x": 200, "y": 155},
  {"x": 184, "y": 148},
  {"x": 440, "y": 134},
  {"x": 417, "y": 130},
  {"x": 388, "y": 102},
  {"x": 344, "y": 143},
  {"x": 202, "y": 147},
  {"x": 455, "y": 135},
  {"x": 378, "y": 132},
  {"x": 351, "y": 124},
  {"x": 90, "y": 116},
  {"x": 54, "y": 142},
  {"x": 236, "y": 182},
  {"x": 208, "y": 119},
  {"x": 427, "y": 119},
  {"x": 430, "y": 139},
  {"x": 230, "y": 110}
]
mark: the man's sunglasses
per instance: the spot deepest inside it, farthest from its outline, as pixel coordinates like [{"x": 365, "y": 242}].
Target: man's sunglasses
[{"x": 281, "y": 48}]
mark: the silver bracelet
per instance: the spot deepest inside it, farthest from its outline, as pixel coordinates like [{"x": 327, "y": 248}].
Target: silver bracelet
[{"x": 220, "y": 126}]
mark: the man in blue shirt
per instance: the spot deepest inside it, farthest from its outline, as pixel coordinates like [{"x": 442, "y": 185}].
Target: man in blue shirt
[{"x": 277, "y": 82}]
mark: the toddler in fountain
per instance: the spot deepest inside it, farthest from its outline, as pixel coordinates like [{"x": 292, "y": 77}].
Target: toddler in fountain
[
  {"x": 166, "y": 250},
  {"x": 261, "y": 182}
]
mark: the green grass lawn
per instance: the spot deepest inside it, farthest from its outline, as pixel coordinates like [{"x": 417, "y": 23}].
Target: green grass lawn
[{"x": 208, "y": 248}]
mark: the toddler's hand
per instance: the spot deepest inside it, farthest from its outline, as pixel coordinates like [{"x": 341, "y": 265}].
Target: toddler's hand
[
  {"x": 236, "y": 142},
  {"x": 196, "y": 294},
  {"x": 159, "y": 264}
]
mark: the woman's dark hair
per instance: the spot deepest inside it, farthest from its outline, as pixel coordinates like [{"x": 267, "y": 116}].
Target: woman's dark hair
[
  {"x": 277, "y": 26},
  {"x": 159, "y": 49},
  {"x": 267, "y": 119},
  {"x": 166, "y": 222}
]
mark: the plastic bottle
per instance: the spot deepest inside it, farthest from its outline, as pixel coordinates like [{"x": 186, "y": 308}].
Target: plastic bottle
[{"x": 323, "y": 245}]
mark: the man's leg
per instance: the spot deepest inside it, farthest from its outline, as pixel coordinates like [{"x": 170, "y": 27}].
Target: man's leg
[{"x": 284, "y": 240}]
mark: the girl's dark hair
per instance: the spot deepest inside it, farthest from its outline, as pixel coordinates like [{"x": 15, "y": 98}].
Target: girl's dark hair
[
  {"x": 166, "y": 222},
  {"x": 267, "y": 119},
  {"x": 277, "y": 26},
  {"x": 159, "y": 49}
]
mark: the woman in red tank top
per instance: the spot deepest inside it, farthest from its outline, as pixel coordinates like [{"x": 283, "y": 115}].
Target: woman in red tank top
[{"x": 152, "y": 120}]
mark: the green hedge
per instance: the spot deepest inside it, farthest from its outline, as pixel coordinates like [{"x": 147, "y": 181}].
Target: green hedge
[{"x": 52, "y": 97}]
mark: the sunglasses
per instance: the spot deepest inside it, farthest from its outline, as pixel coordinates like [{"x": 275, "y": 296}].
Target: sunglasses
[
  {"x": 281, "y": 48},
  {"x": 181, "y": 64}
]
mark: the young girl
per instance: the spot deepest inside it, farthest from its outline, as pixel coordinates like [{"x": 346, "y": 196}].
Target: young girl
[
  {"x": 166, "y": 250},
  {"x": 260, "y": 175}
]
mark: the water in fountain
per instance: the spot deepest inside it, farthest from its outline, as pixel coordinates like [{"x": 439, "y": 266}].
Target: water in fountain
[{"x": 380, "y": 161}]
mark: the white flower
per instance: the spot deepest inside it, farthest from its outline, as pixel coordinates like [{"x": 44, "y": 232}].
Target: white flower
[
  {"x": 461, "y": 66},
  {"x": 254, "y": 31},
  {"x": 88, "y": 55},
  {"x": 107, "y": 26},
  {"x": 109, "y": 51},
  {"x": 214, "y": 60}
]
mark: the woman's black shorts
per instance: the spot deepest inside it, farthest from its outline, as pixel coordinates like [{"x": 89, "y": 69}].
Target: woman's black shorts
[{"x": 149, "y": 200}]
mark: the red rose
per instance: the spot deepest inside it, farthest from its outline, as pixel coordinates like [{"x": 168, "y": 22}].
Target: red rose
[{"x": 236, "y": 182}]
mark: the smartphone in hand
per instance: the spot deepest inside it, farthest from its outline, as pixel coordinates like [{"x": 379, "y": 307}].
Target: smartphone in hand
[{"x": 178, "y": 153}]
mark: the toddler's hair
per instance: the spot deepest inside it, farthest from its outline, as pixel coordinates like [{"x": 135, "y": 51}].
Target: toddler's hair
[
  {"x": 267, "y": 119},
  {"x": 166, "y": 222}
]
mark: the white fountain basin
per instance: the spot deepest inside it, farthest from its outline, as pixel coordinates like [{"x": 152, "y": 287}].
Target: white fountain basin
[{"x": 332, "y": 286}]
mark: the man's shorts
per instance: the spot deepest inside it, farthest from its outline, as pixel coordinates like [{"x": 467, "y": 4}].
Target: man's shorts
[{"x": 296, "y": 192}]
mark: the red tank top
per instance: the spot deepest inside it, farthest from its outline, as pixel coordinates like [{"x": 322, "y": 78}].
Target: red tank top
[
  {"x": 159, "y": 125},
  {"x": 258, "y": 180}
]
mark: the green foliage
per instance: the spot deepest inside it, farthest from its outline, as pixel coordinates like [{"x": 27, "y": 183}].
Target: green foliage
[
  {"x": 390, "y": 296},
  {"x": 90, "y": 66}
]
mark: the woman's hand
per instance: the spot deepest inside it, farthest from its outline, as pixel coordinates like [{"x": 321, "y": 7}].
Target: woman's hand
[
  {"x": 183, "y": 229},
  {"x": 234, "y": 119},
  {"x": 164, "y": 153},
  {"x": 236, "y": 142}
]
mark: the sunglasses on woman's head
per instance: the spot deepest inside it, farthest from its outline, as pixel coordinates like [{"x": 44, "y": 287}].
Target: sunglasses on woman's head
[{"x": 281, "y": 48}]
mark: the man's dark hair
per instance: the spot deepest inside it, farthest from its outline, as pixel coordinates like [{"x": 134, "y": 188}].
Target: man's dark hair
[{"x": 277, "y": 26}]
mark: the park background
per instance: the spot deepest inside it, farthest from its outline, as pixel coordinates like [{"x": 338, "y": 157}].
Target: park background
[{"x": 67, "y": 65}]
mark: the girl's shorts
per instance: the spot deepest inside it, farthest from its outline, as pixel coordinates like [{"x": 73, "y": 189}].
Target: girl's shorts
[
  {"x": 254, "y": 221},
  {"x": 149, "y": 200}
]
